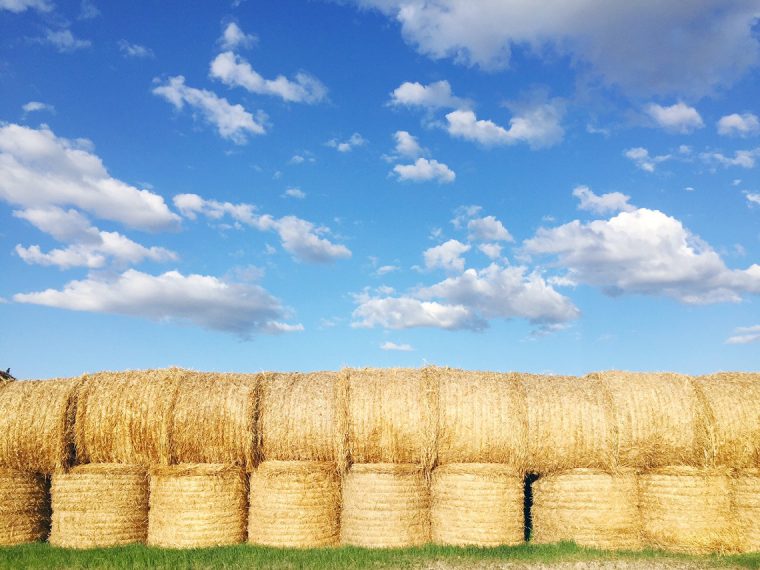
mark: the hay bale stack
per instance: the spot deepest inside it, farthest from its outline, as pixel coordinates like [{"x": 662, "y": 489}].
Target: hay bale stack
[
  {"x": 99, "y": 505},
  {"x": 732, "y": 400},
  {"x": 294, "y": 504},
  {"x": 36, "y": 423},
  {"x": 392, "y": 416},
  {"x": 570, "y": 424},
  {"x": 587, "y": 506},
  {"x": 24, "y": 507},
  {"x": 478, "y": 504},
  {"x": 213, "y": 419},
  {"x": 197, "y": 505},
  {"x": 687, "y": 509},
  {"x": 385, "y": 505},
  {"x": 124, "y": 417},
  {"x": 746, "y": 496},
  {"x": 482, "y": 418}
]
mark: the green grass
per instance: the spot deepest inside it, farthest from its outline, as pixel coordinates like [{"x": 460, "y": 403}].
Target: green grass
[{"x": 41, "y": 556}]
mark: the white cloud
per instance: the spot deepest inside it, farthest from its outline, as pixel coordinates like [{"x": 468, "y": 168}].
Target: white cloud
[
  {"x": 407, "y": 312},
  {"x": 135, "y": 50},
  {"x": 744, "y": 335},
  {"x": 447, "y": 256},
  {"x": 490, "y": 250},
  {"x": 643, "y": 160},
  {"x": 604, "y": 204},
  {"x": 18, "y": 6},
  {"x": 295, "y": 193},
  {"x": 487, "y": 228},
  {"x": 232, "y": 122},
  {"x": 64, "y": 41},
  {"x": 736, "y": 125},
  {"x": 34, "y": 106},
  {"x": 678, "y": 118},
  {"x": 201, "y": 300},
  {"x": 434, "y": 96},
  {"x": 753, "y": 198},
  {"x": 39, "y": 170},
  {"x": 424, "y": 170},
  {"x": 234, "y": 71},
  {"x": 88, "y": 10},
  {"x": 407, "y": 145},
  {"x": 233, "y": 37},
  {"x": 386, "y": 269},
  {"x": 742, "y": 158},
  {"x": 388, "y": 345},
  {"x": 353, "y": 141}
]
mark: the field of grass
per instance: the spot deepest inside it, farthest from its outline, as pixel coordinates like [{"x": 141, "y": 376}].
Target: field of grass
[{"x": 39, "y": 556}]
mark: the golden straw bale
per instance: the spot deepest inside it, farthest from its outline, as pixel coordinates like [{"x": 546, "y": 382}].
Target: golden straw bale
[
  {"x": 24, "y": 507},
  {"x": 478, "y": 504},
  {"x": 570, "y": 424},
  {"x": 99, "y": 505},
  {"x": 124, "y": 417},
  {"x": 213, "y": 419},
  {"x": 687, "y": 509},
  {"x": 746, "y": 495},
  {"x": 197, "y": 505},
  {"x": 385, "y": 505},
  {"x": 482, "y": 418},
  {"x": 294, "y": 504},
  {"x": 733, "y": 403},
  {"x": 392, "y": 416},
  {"x": 36, "y": 423},
  {"x": 587, "y": 506}
]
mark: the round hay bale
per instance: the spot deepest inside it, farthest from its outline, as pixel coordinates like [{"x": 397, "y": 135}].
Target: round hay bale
[
  {"x": 686, "y": 509},
  {"x": 124, "y": 417},
  {"x": 213, "y": 419},
  {"x": 24, "y": 507},
  {"x": 99, "y": 505},
  {"x": 590, "y": 507},
  {"x": 36, "y": 424},
  {"x": 392, "y": 416},
  {"x": 746, "y": 494},
  {"x": 294, "y": 504},
  {"x": 385, "y": 505},
  {"x": 482, "y": 418},
  {"x": 478, "y": 504},
  {"x": 197, "y": 506},
  {"x": 570, "y": 424}
]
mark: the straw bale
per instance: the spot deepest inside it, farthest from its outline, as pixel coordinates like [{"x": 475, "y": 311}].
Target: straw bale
[
  {"x": 687, "y": 509},
  {"x": 294, "y": 504},
  {"x": 479, "y": 504},
  {"x": 213, "y": 419},
  {"x": 746, "y": 495},
  {"x": 392, "y": 416},
  {"x": 124, "y": 417},
  {"x": 570, "y": 424},
  {"x": 197, "y": 505},
  {"x": 482, "y": 418},
  {"x": 385, "y": 505},
  {"x": 587, "y": 506},
  {"x": 36, "y": 423},
  {"x": 99, "y": 505},
  {"x": 733, "y": 403},
  {"x": 24, "y": 507}
]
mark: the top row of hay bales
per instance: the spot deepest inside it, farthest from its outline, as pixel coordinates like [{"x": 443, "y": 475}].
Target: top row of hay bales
[{"x": 428, "y": 416}]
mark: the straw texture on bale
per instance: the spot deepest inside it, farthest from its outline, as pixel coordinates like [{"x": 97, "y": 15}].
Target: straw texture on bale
[
  {"x": 36, "y": 423},
  {"x": 687, "y": 509},
  {"x": 746, "y": 495},
  {"x": 587, "y": 506},
  {"x": 124, "y": 417},
  {"x": 570, "y": 424},
  {"x": 733, "y": 404},
  {"x": 385, "y": 505},
  {"x": 477, "y": 504},
  {"x": 24, "y": 507},
  {"x": 197, "y": 506},
  {"x": 482, "y": 418},
  {"x": 294, "y": 504},
  {"x": 213, "y": 419},
  {"x": 99, "y": 505},
  {"x": 392, "y": 416}
]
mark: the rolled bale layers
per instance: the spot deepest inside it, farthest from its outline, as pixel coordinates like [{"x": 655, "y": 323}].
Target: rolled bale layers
[
  {"x": 99, "y": 505},
  {"x": 24, "y": 507},
  {"x": 197, "y": 506},
  {"x": 476, "y": 504},
  {"x": 587, "y": 506},
  {"x": 294, "y": 504},
  {"x": 746, "y": 495},
  {"x": 385, "y": 505}
]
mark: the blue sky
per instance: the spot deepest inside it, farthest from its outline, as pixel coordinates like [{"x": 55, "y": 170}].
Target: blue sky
[{"x": 291, "y": 185}]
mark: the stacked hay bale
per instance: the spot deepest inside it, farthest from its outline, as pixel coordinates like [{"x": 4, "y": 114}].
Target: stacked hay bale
[
  {"x": 24, "y": 507},
  {"x": 99, "y": 505},
  {"x": 746, "y": 504}
]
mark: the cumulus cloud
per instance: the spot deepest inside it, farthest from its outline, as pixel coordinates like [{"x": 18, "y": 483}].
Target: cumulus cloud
[
  {"x": 753, "y": 198},
  {"x": 643, "y": 160},
  {"x": 602, "y": 204},
  {"x": 35, "y": 106},
  {"x": 490, "y": 250},
  {"x": 487, "y": 228},
  {"x": 447, "y": 256},
  {"x": 88, "y": 10},
  {"x": 678, "y": 118},
  {"x": 407, "y": 145},
  {"x": 423, "y": 170},
  {"x": 408, "y": 312},
  {"x": 355, "y": 140},
  {"x": 18, "y": 6},
  {"x": 434, "y": 96},
  {"x": 295, "y": 193},
  {"x": 744, "y": 335},
  {"x": 388, "y": 345},
  {"x": 233, "y": 38},
  {"x": 736, "y": 125},
  {"x": 63, "y": 41},
  {"x": 742, "y": 158},
  {"x": 135, "y": 51}
]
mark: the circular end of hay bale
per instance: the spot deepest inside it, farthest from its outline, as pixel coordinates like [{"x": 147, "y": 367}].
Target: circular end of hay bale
[
  {"x": 476, "y": 504},
  {"x": 746, "y": 493},
  {"x": 294, "y": 504},
  {"x": 197, "y": 505},
  {"x": 385, "y": 505},
  {"x": 24, "y": 507},
  {"x": 590, "y": 507},
  {"x": 99, "y": 505}
]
